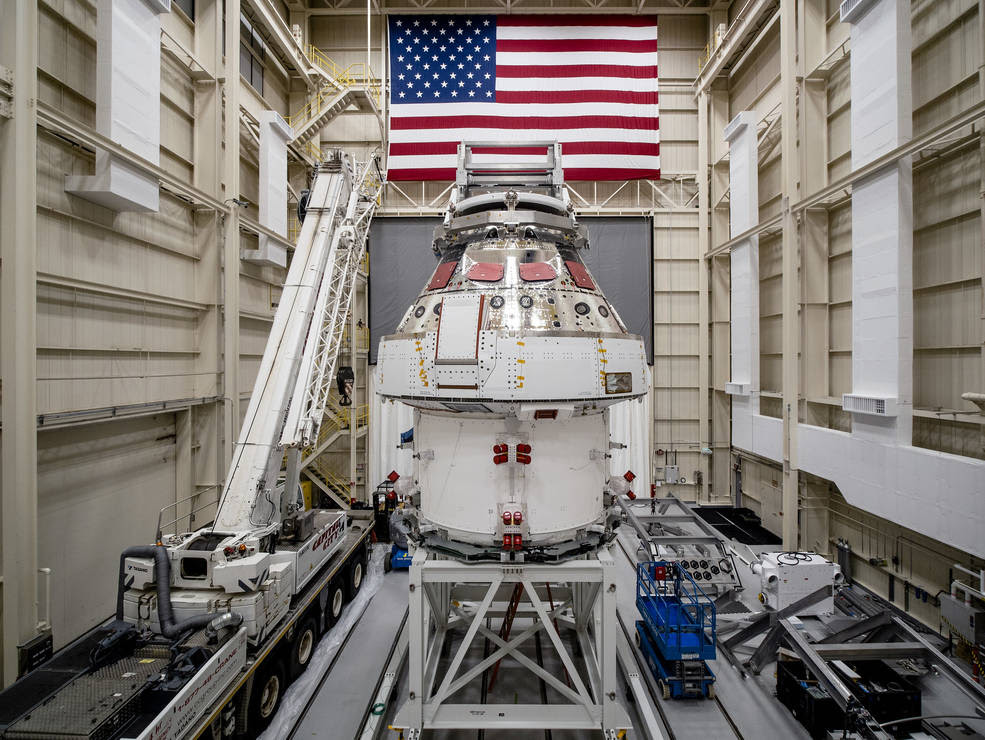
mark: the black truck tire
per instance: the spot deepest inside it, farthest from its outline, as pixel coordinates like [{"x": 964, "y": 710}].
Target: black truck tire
[
  {"x": 356, "y": 572},
  {"x": 336, "y": 602},
  {"x": 268, "y": 688},
  {"x": 302, "y": 646}
]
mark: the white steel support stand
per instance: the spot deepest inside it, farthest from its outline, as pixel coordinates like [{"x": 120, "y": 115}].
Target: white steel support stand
[
  {"x": 18, "y": 333},
  {"x": 451, "y": 603}
]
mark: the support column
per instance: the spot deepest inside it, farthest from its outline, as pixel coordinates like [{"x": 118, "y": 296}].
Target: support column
[
  {"x": 183, "y": 485},
  {"x": 18, "y": 334},
  {"x": 744, "y": 294},
  {"x": 882, "y": 221},
  {"x": 230, "y": 269},
  {"x": 791, "y": 277},
  {"x": 705, "y": 438}
]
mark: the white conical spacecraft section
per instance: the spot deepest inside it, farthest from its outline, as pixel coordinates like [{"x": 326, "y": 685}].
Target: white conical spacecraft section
[{"x": 511, "y": 356}]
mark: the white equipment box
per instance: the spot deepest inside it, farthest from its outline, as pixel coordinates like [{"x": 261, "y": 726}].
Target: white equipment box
[{"x": 787, "y": 577}]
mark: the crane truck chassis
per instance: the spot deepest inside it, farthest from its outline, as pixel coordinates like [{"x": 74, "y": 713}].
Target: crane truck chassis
[
  {"x": 215, "y": 683},
  {"x": 212, "y": 625}
]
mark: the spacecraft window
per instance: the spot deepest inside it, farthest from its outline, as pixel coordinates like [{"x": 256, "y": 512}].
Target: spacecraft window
[
  {"x": 486, "y": 272},
  {"x": 419, "y": 311},
  {"x": 568, "y": 254},
  {"x": 531, "y": 272},
  {"x": 497, "y": 301},
  {"x": 526, "y": 301},
  {"x": 453, "y": 254},
  {"x": 580, "y": 275},
  {"x": 437, "y": 309},
  {"x": 442, "y": 275},
  {"x": 603, "y": 312},
  {"x": 581, "y": 308}
]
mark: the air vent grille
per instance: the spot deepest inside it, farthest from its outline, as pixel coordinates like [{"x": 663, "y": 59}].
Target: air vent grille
[
  {"x": 873, "y": 405},
  {"x": 851, "y": 10}
]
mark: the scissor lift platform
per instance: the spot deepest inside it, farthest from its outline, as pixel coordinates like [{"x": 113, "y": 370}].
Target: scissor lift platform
[{"x": 677, "y": 631}]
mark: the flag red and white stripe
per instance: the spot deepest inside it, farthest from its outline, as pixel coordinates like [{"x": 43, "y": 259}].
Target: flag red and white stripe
[{"x": 589, "y": 82}]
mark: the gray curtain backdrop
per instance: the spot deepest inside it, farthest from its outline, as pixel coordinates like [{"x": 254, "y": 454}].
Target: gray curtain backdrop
[{"x": 620, "y": 258}]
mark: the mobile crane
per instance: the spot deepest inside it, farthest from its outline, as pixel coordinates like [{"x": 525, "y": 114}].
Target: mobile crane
[{"x": 211, "y": 625}]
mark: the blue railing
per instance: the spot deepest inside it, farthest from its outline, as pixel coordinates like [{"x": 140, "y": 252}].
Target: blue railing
[{"x": 677, "y": 612}]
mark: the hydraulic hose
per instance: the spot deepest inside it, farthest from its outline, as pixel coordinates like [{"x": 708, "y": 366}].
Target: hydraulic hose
[{"x": 165, "y": 611}]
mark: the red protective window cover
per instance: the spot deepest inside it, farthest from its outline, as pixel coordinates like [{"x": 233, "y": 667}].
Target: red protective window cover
[
  {"x": 531, "y": 272},
  {"x": 486, "y": 272},
  {"x": 442, "y": 275},
  {"x": 580, "y": 274}
]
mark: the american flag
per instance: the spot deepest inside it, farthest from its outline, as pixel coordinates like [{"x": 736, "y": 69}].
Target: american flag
[{"x": 589, "y": 82}]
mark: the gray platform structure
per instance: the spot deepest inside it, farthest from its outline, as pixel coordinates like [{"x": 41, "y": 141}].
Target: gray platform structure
[{"x": 450, "y": 601}]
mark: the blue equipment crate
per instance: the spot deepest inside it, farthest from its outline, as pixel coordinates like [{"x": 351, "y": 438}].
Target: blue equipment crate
[{"x": 399, "y": 558}]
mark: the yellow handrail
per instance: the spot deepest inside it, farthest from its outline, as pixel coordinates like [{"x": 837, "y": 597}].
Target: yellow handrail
[
  {"x": 362, "y": 338},
  {"x": 354, "y": 75}
]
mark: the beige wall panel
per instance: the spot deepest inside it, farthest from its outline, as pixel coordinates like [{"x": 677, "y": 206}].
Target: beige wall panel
[
  {"x": 675, "y": 371},
  {"x": 946, "y": 435},
  {"x": 840, "y": 328},
  {"x": 176, "y": 86},
  {"x": 176, "y": 165},
  {"x": 96, "y": 255},
  {"x": 678, "y": 64},
  {"x": 949, "y": 55},
  {"x": 678, "y": 157},
  {"x": 840, "y": 230},
  {"x": 752, "y": 86},
  {"x": 352, "y": 127},
  {"x": 66, "y": 51},
  {"x": 256, "y": 294},
  {"x": 99, "y": 489},
  {"x": 770, "y": 186},
  {"x": 675, "y": 275},
  {"x": 177, "y": 25},
  {"x": 942, "y": 376},
  {"x": 840, "y": 278},
  {"x": 674, "y": 434},
  {"x": 674, "y": 99},
  {"x": 75, "y": 319},
  {"x": 948, "y": 252},
  {"x": 676, "y": 33},
  {"x": 253, "y": 336},
  {"x": 840, "y": 373},
  {"x": 674, "y": 242},
  {"x": 678, "y": 403},
  {"x": 669, "y": 339},
  {"x": 947, "y": 316},
  {"x": 947, "y": 188},
  {"x": 675, "y": 308}
]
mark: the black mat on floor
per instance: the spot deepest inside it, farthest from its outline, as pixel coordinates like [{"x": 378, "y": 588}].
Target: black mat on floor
[{"x": 738, "y": 524}]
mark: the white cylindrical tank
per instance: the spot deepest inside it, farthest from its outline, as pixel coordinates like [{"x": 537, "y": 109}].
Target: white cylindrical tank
[{"x": 465, "y": 492}]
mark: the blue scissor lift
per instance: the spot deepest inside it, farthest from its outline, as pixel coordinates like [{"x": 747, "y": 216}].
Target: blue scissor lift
[{"x": 677, "y": 631}]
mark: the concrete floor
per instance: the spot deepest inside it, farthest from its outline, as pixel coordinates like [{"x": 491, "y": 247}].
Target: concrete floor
[{"x": 746, "y": 706}]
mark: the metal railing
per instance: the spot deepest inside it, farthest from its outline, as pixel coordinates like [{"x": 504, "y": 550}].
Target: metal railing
[
  {"x": 353, "y": 76},
  {"x": 362, "y": 339},
  {"x": 179, "y": 517}
]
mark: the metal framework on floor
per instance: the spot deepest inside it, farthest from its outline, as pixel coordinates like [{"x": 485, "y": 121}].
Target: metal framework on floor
[{"x": 451, "y": 601}]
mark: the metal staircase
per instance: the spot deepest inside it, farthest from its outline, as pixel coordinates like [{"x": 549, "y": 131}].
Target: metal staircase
[
  {"x": 346, "y": 87},
  {"x": 335, "y": 426}
]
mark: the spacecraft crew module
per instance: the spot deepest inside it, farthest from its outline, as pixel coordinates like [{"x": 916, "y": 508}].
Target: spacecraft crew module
[{"x": 511, "y": 357}]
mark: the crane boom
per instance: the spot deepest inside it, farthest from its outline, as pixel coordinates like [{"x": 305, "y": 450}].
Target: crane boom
[{"x": 291, "y": 384}]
